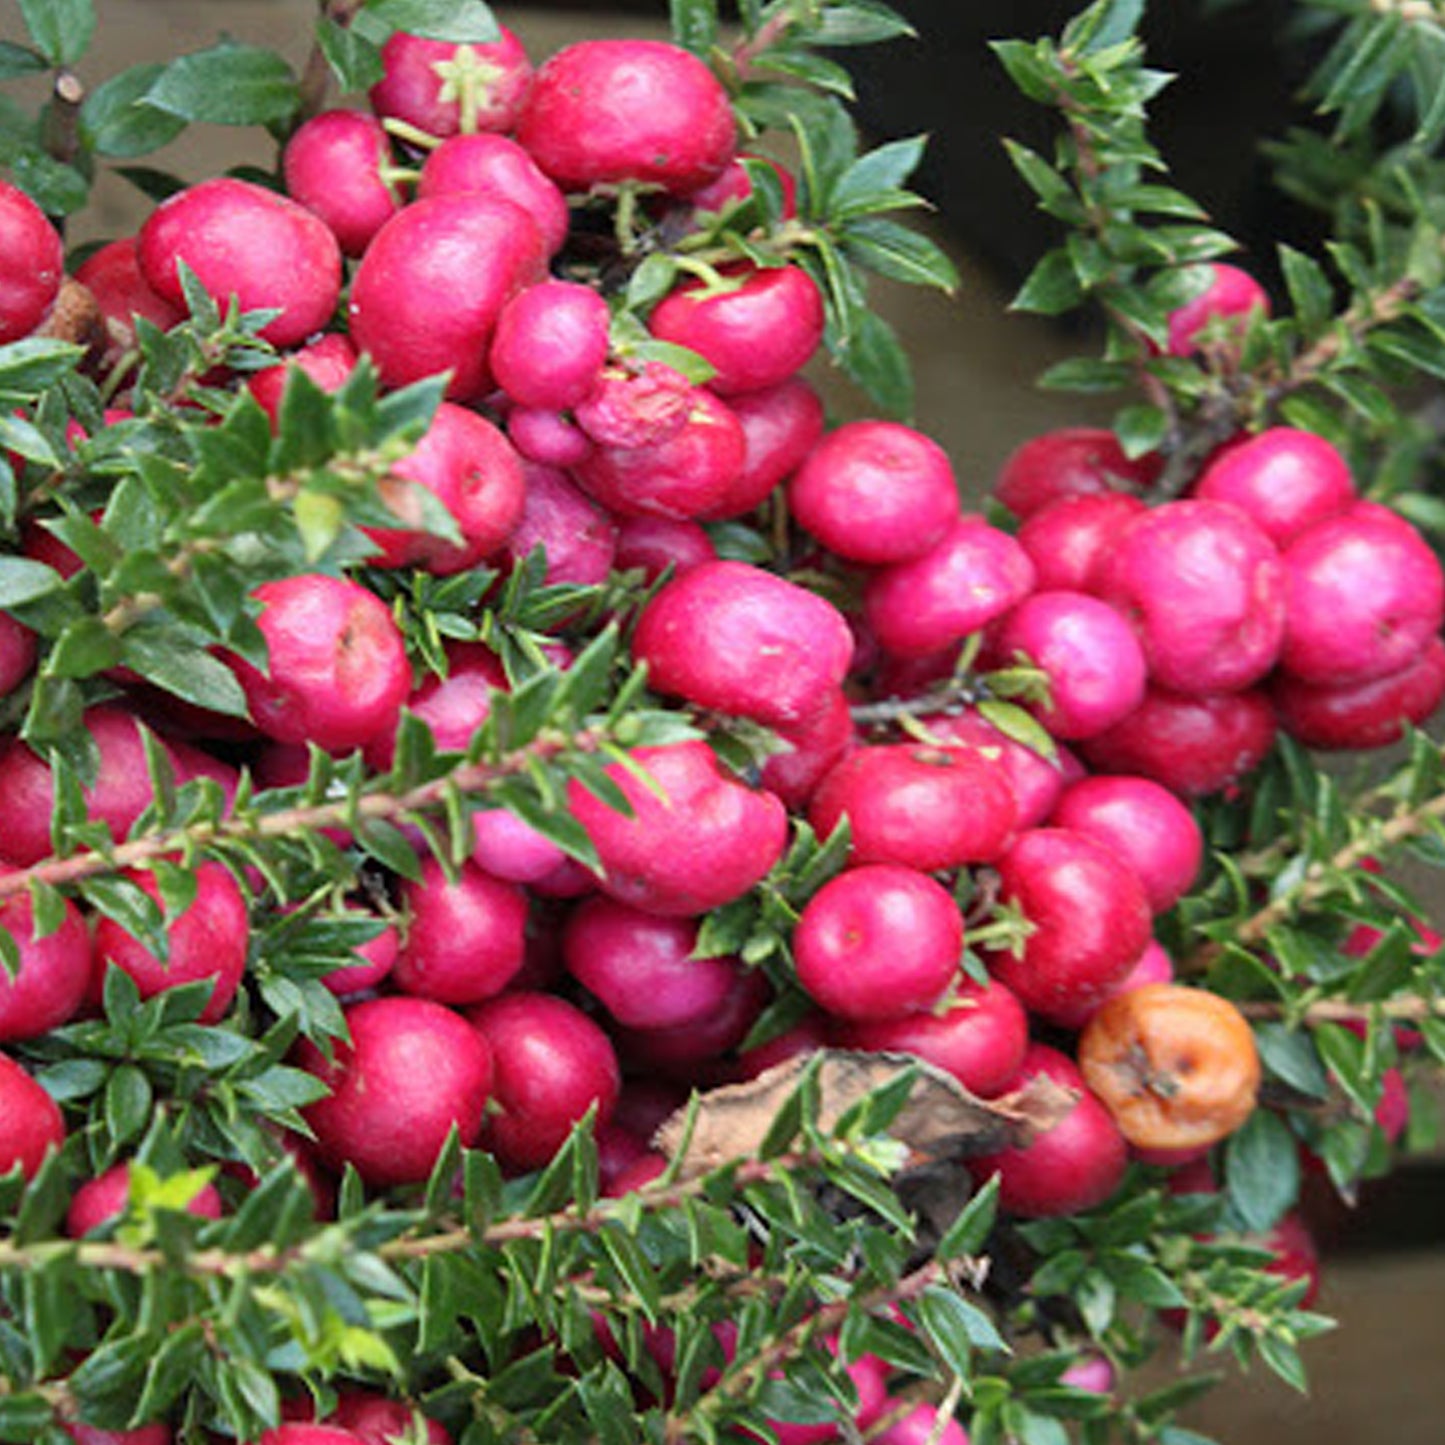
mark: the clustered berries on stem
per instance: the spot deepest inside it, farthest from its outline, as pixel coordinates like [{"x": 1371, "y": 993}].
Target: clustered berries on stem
[{"x": 922, "y": 780}]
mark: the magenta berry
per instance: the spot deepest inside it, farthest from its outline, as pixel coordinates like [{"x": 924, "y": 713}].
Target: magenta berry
[
  {"x": 1226, "y": 300},
  {"x": 876, "y": 492},
  {"x": 30, "y": 1121},
  {"x": 603, "y": 112},
  {"x": 1070, "y": 462},
  {"x": 31, "y": 267},
  {"x": 245, "y": 241},
  {"x": 53, "y": 971},
  {"x": 493, "y": 165},
  {"x": 334, "y": 164},
  {"x": 443, "y": 88},
  {"x": 550, "y": 344},
  {"x": 739, "y": 640}
]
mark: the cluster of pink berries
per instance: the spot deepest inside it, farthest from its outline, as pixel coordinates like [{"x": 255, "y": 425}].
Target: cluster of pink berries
[{"x": 508, "y": 1001}]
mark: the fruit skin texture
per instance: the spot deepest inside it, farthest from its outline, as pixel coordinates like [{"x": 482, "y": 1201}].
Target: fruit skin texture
[
  {"x": 209, "y": 940},
  {"x": 1089, "y": 914},
  {"x": 606, "y": 111},
  {"x": 919, "y": 807},
  {"x": 1069, "y": 462},
  {"x": 732, "y": 637},
  {"x": 413, "y": 1069},
  {"x": 54, "y": 972},
  {"x": 332, "y": 165},
  {"x": 427, "y": 294},
  {"x": 30, "y": 1121},
  {"x": 497, "y": 166},
  {"x": 755, "y": 336},
  {"x": 1074, "y": 1165},
  {"x": 1192, "y": 745},
  {"x": 705, "y": 841},
  {"x": 1070, "y": 540},
  {"x": 1284, "y": 479},
  {"x": 243, "y": 239},
  {"x": 552, "y": 1064},
  {"x": 1205, "y": 589},
  {"x": 973, "y": 575},
  {"x": 464, "y": 941},
  {"x": 1365, "y": 594},
  {"x": 32, "y": 266},
  {"x": 875, "y": 492},
  {"x": 1362, "y": 714},
  {"x": 338, "y": 668},
  {"x": 878, "y": 942},
  {"x": 1145, "y": 823},
  {"x": 550, "y": 343},
  {"x": 1177, "y": 1067}
]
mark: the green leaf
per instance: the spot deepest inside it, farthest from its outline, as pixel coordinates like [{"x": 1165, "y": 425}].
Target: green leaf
[
  {"x": 898, "y": 253},
  {"x": 61, "y": 29},
  {"x": 118, "y": 120},
  {"x": 874, "y": 357},
  {"x": 128, "y": 1100},
  {"x": 24, "y": 1415},
  {"x": 27, "y": 367},
  {"x": 22, "y": 580},
  {"x": 859, "y": 22},
  {"x": 1141, "y": 429},
  {"x": 1102, "y": 25},
  {"x": 694, "y": 24},
  {"x": 228, "y": 84},
  {"x": 354, "y": 59},
  {"x": 459, "y": 21},
  {"x": 1056, "y": 195},
  {"x": 184, "y": 670},
  {"x": 972, "y": 1225},
  {"x": 1051, "y": 288},
  {"x": 1261, "y": 1171},
  {"x": 17, "y": 60}
]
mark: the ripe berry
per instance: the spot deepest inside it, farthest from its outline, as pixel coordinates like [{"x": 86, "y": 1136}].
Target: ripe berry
[
  {"x": 1204, "y": 588},
  {"x": 463, "y": 941},
  {"x": 1088, "y": 915},
  {"x": 740, "y": 640},
  {"x": 1071, "y": 540},
  {"x": 243, "y": 240},
  {"x": 920, "y": 807},
  {"x": 495, "y": 166},
  {"x": 334, "y": 164},
  {"x": 1069, "y": 462},
  {"x": 105, "y": 1197},
  {"x": 426, "y": 295},
  {"x": 1284, "y": 479},
  {"x": 30, "y": 1121},
  {"x": 52, "y": 973},
  {"x": 603, "y": 112},
  {"x": 875, "y": 492},
  {"x": 338, "y": 669},
  {"x": 973, "y": 575},
  {"x": 209, "y": 939},
  {"x": 550, "y": 343},
  {"x": 412, "y": 1071},
  {"x": 442, "y": 88},
  {"x": 755, "y": 334},
  {"x": 31, "y": 267},
  {"x": 877, "y": 942},
  {"x": 1073, "y": 1166},
  {"x": 697, "y": 838},
  {"x": 1224, "y": 303},
  {"x": 551, "y": 1065}
]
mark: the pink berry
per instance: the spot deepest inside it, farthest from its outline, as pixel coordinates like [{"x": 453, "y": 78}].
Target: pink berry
[
  {"x": 550, "y": 343},
  {"x": 1205, "y": 590},
  {"x": 245, "y": 241},
  {"x": 1088, "y": 915},
  {"x": 734, "y": 638},
  {"x": 552, "y": 1064},
  {"x": 493, "y": 165},
  {"x": 875, "y": 492},
  {"x": 1070, "y": 462},
  {"x": 207, "y": 940},
  {"x": 442, "y": 88},
  {"x": 603, "y": 112},
  {"x": 412, "y": 1071},
  {"x": 973, "y": 575},
  {"x": 1070, "y": 540},
  {"x": 30, "y": 1121},
  {"x": 32, "y": 265},
  {"x": 334, "y": 165},
  {"x": 338, "y": 667},
  {"x": 1283, "y": 479},
  {"x": 878, "y": 942},
  {"x": 105, "y": 1197},
  {"x": 1227, "y": 299},
  {"x": 53, "y": 973}
]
